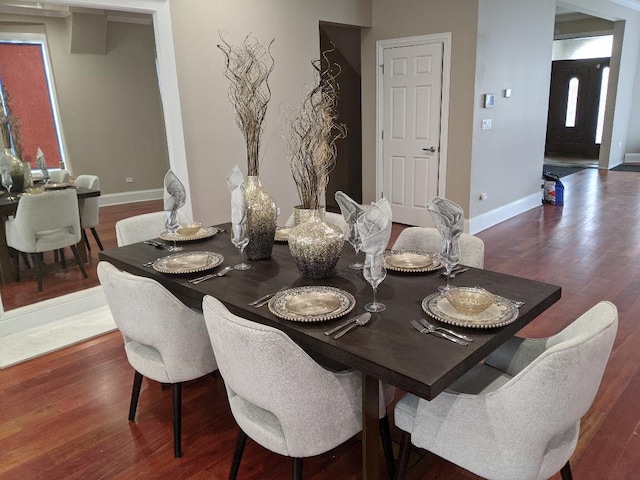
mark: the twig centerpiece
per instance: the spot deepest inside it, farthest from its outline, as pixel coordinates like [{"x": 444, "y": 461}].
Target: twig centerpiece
[
  {"x": 247, "y": 68},
  {"x": 11, "y": 140},
  {"x": 315, "y": 245}
]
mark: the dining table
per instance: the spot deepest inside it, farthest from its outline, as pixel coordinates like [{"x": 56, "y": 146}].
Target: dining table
[
  {"x": 388, "y": 348},
  {"x": 8, "y": 207}
]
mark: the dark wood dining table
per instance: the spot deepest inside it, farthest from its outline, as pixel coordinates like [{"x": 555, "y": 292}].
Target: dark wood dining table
[
  {"x": 388, "y": 348},
  {"x": 7, "y": 208}
]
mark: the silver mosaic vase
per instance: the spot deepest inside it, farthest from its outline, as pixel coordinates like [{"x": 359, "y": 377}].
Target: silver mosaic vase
[
  {"x": 314, "y": 244},
  {"x": 17, "y": 175},
  {"x": 262, "y": 214}
]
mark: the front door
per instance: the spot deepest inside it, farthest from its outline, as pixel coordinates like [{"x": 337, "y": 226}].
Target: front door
[
  {"x": 412, "y": 98},
  {"x": 574, "y": 98}
]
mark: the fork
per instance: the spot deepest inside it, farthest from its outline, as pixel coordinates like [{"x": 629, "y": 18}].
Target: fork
[
  {"x": 445, "y": 330},
  {"x": 204, "y": 278},
  {"x": 422, "y": 329}
]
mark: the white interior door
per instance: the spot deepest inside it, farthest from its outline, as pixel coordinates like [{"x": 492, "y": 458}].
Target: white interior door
[{"x": 412, "y": 78}]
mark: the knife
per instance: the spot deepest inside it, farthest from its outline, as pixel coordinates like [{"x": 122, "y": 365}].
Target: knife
[
  {"x": 342, "y": 325},
  {"x": 261, "y": 299}
]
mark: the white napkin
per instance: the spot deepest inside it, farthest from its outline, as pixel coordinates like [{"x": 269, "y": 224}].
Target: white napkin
[
  {"x": 374, "y": 227},
  {"x": 349, "y": 208},
  {"x": 235, "y": 180},
  {"x": 175, "y": 196},
  {"x": 42, "y": 164},
  {"x": 448, "y": 217}
]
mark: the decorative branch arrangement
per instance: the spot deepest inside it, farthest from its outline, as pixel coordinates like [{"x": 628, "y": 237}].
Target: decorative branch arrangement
[
  {"x": 247, "y": 67},
  {"x": 313, "y": 135},
  {"x": 9, "y": 124}
]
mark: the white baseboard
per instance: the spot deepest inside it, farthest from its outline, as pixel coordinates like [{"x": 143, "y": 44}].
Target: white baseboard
[
  {"x": 130, "y": 197},
  {"x": 489, "y": 219},
  {"x": 632, "y": 158},
  {"x": 23, "y": 318}
]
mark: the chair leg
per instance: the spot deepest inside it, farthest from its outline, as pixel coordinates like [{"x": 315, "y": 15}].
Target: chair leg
[
  {"x": 387, "y": 448},
  {"x": 16, "y": 265},
  {"x": 25, "y": 257},
  {"x": 177, "y": 419},
  {"x": 297, "y": 469},
  {"x": 37, "y": 259},
  {"x": 403, "y": 456},
  {"x": 135, "y": 395},
  {"x": 86, "y": 239},
  {"x": 565, "y": 472},
  {"x": 95, "y": 235},
  {"x": 237, "y": 455},
  {"x": 74, "y": 249},
  {"x": 63, "y": 260}
]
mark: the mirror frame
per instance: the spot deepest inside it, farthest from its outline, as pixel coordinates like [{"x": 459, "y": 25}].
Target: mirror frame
[{"x": 55, "y": 309}]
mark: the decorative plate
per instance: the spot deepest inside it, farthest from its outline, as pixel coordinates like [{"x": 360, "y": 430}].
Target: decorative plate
[
  {"x": 311, "y": 303},
  {"x": 282, "y": 234},
  {"x": 499, "y": 314},
  {"x": 188, "y": 262},
  {"x": 411, "y": 261},
  {"x": 204, "y": 232},
  {"x": 56, "y": 186}
]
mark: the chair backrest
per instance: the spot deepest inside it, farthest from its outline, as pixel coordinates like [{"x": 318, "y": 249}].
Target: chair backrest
[
  {"x": 428, "y": 239},
  {"x": 148, "y": 315},
  {"x": 59, "y": 176},
  {"x": 44, "y": 212},
  {"x": 330, "y": 217},
  {"x": 89, "y": 207},
  {"x": 143, "y": 227},
  {"x": 264, "y": 367}
]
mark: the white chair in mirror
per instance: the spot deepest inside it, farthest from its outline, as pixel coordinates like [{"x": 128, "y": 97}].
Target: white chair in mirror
[
  {"x": 59, "y": 176},
  {"x": 143, "y": 227},
  {"x": 89, "y": 208}
]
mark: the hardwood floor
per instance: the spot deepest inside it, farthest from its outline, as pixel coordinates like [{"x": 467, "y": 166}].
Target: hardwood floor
[{"x": 64, "y": 415}]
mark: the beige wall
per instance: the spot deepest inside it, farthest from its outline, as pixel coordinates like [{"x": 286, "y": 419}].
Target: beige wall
[
  {"x": 110, "y": 106},
  {"x": 213, "y": 142}
]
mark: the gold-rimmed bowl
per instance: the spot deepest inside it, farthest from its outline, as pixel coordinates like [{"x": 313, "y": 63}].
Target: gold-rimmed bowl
[
  {"x": 33, "y": 190},
  {"x": 470, "y": 300},
  {"x": 188, "y": 229}
]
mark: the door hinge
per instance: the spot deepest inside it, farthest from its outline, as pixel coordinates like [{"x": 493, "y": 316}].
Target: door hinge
[
  {"x": 382, "y": 134},
  {"x": 382, "y": 68}
]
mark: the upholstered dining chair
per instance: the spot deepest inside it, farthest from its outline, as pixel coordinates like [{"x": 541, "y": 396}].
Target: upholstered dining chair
[
  {"x": 330, "y": 217},
  {"x": 89, "y": 208},
  {"x": 428, "y": 239},
  {"x": 143, "y": 227},
  {"x": 44, "y": 222},
  {"x": 282, "y": 398},
  {"x": 59, "y": 176},
  {"x": 164, "y": 340},
  {"x": 517, "y": 415}
]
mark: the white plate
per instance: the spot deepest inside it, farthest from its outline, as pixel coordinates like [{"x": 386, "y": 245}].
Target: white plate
[
  {"x": 312, "y": 303},
  {"x": 501, "y": 313},
  {"x": 404, "y": 260},
  {"x": 204, "y": 232},
  {"x": 188, "y": 262}
]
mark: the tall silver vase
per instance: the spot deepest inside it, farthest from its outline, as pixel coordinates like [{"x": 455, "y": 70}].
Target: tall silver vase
[
  {"x": 314, "y": 244},
  {"x": 262, "y": 214}
]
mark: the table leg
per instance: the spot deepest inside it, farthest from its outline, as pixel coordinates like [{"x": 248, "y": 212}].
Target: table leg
[{"x": 370, "y": 429}]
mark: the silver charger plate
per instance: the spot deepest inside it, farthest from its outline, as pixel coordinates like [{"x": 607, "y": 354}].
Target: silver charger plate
[
  {"x": 282, "y": 234},
  {"x": 57, "y": 186},
  {"x": 314, "y": 303},
  {"x": 188, "y": 262},
  {"x": 204, "y": 232},
  {"x": 501, "y": 313},
  {"x": 416, "y": 261}
]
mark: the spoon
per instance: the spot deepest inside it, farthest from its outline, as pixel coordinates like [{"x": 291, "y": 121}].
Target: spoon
[
  {"x": 361, "y": 321},
  {"x": 204, "y": 278}
]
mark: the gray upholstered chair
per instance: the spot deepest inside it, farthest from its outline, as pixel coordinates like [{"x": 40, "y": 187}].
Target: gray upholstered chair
[
  {"x": 164, "y": 340},
  {"x": 143, "y": 227},
  {"x": 282, "y": 398},
  {"x": 44, "y": 222},
  {"x": 89, "y": 208},
  {"x": 428, "y": 239},
  {"x": 330, "y": 217},
  {"x": 517, "y": 415},
  {"x": 59, "y": 176}
]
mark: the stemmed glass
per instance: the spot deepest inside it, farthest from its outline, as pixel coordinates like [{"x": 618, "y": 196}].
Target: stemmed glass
[
  {"x": 7, "y": 182},
  {"x": 240, "y": 239},
  {"x": 450, "y": 257},
  {"x": 172, "y": 227},
  {"x": 374, "y": 273},
  {"x": 356, "y": 243}
]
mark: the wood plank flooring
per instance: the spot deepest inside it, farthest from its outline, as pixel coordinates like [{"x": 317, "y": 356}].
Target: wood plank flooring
[{"x": 64, "y": 415}]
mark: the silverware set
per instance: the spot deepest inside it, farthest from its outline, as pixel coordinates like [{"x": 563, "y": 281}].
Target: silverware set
[
  {"x": 353, "y": 322},
  {"x": 154, "y": 243},
  {"x": 456, "y": 271},
  {"x": 204, "y": 278},
  {"x": 425, "y": 327},
  {"x": 262, "y": 301}
]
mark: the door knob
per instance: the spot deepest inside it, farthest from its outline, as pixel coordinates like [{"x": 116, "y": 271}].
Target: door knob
[{"x": 432, "y": 149}]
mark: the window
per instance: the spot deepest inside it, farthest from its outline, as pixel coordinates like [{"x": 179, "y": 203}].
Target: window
[
  {"x": 25, "y": 76},
  {"x": 572, "y": 103}
]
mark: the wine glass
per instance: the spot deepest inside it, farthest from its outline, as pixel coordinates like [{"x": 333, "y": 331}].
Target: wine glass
[
  {"x": 374, "y": 273},
  {"x": 240, "y": 239},
  {"x": 450, "y": 257},
  {"x": 172, "y": 225},
  {"x": 7, "y": 182},
  {"x": 356, "y": 243}
]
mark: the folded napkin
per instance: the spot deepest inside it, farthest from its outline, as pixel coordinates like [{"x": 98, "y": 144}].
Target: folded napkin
[
  {"x": 42, "y": 165},
  {"x": 374, "y": 227},
  {"x": 175, "y": 196},
  {"x": 235, "y": 181},
  {"x": 349, "y": 208},
  {"x": 448, "y": 217}
]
